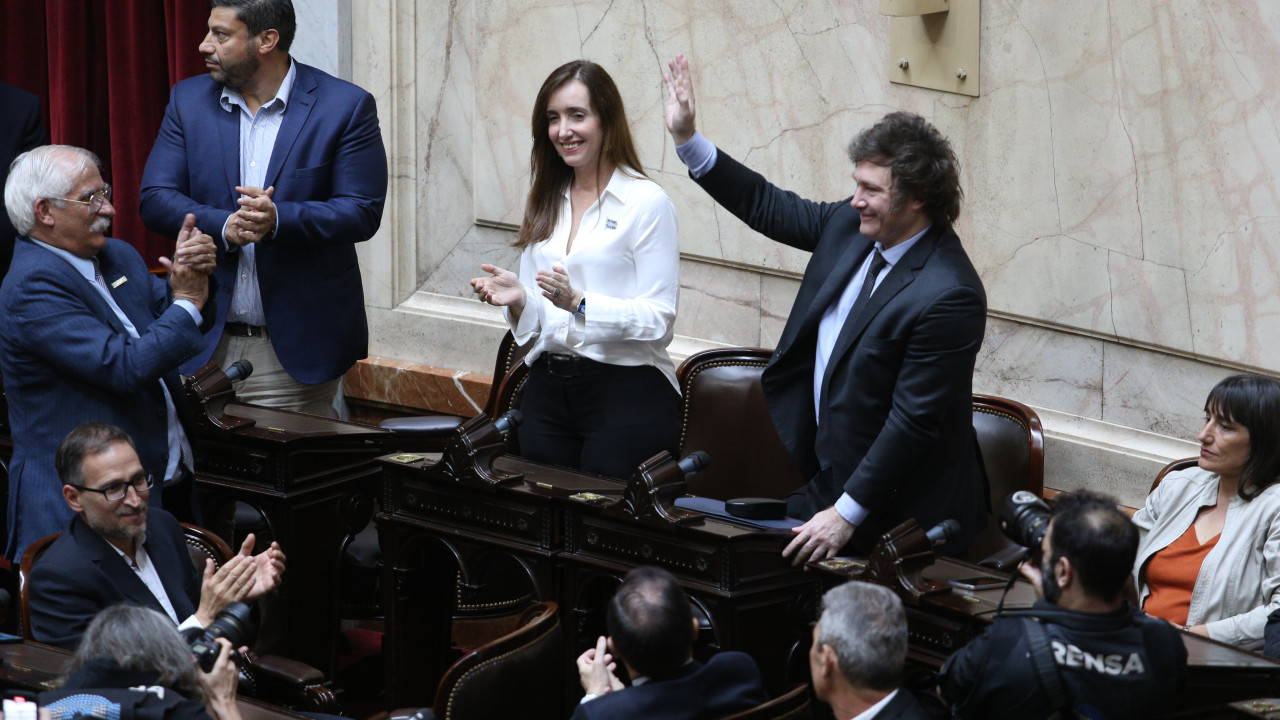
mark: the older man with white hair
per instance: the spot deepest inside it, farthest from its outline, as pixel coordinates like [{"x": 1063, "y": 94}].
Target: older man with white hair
[
  {"x": 859, "y": 653},
  {"x": 87, "y": 334}
]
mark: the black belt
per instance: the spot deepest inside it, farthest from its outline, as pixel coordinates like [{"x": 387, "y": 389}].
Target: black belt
[
  {"x": 239, "y": 329},
  {"x": 569, "y": 365}
]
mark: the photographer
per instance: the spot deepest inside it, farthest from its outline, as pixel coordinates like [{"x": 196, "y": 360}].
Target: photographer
[
  {"x": 132, "y": 663},
  {"x": 1082, "y": 650}
]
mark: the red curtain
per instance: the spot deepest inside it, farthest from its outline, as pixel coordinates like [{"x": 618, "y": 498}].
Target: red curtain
[{"x": 103, "y": 69}]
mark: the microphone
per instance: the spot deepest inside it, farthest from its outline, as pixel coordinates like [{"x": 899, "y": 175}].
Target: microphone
[
  {"x": 508, "y": 421},
  {"x": 696, "y": 461},
  {"x": 942, "y": 533},
  {"x": 239, "y": 370}
]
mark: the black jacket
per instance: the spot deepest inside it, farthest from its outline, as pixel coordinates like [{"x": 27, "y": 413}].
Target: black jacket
[
  {"x": 896, "y": 432},
  {"x": 103, "y": 689},
  {"x": 1123, "y": 664}
]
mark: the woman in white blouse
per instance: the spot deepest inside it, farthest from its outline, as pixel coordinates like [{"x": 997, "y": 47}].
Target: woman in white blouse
[{"x": 598, "y": 286}]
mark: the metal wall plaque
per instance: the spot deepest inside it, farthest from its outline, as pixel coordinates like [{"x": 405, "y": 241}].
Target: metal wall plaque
[{"x": 936, "y": 49}]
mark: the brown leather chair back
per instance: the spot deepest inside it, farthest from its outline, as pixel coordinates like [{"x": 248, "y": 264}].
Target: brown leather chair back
[
  {"x": 1011, "y": 440},
  {"x": 724, "y": 414},
  {"x": 204, "y": 544},
  {"x": 519, "y": 675},
  {"x": 509, "y": 373},
  {"x": 1174, "y": 466},
  {"x": 201, "y": 543},
  {"x": 29, "y": 558},
  {"x": 796, "y": 704}
]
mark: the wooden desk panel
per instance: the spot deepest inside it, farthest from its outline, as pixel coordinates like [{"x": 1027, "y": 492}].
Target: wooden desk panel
[{"x": 556, "y": 524}]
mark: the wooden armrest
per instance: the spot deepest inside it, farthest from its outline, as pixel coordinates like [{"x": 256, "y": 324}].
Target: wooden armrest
[
  {"x": 293, "y": 684},
  {"x": 286, "y": 670}
]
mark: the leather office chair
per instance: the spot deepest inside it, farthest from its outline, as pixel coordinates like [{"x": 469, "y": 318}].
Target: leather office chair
[
  {"x": 796, "y": 704},
  {"x": 1174, "y": 466},
  {"x": 272, "y": 679},
  {"x": 519, "y": 675},
  {"x": 1011, "y": 440},
  {"x": 510, "y": 358},
  {"x": 724, "y": 414}
]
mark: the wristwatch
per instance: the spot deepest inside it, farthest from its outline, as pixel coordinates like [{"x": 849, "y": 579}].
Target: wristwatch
[{"x": 582, "y": 308}]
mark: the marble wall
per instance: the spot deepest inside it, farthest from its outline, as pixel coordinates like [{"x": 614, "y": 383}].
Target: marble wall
[{"x": 1120, "y": 171}]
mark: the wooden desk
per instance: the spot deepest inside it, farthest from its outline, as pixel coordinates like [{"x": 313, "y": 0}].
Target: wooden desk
[
  {"x": 33, "y": 667},
  {"x": 564, "y": 533},
  {"x": 312, "y": 483}
]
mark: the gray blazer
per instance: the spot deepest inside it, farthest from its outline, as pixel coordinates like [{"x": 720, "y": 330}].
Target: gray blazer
[{"x": 1239, "y": 581}]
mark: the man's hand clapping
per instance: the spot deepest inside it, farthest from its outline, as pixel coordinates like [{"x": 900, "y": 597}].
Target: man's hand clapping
[
  {"x": 256, "y": 217},
  {"x": 195, "y": 256}
]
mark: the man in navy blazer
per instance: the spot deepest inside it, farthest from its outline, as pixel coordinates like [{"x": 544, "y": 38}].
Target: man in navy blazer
[
  {"x": 651, "y": 630},
  {"x": 88, "y": 334},
  {"x": 20, "y": 130},
  {"x": 116, "y": 550},
  {"x": 870, "y": 386},
  {"x": 285, "y": 164}
]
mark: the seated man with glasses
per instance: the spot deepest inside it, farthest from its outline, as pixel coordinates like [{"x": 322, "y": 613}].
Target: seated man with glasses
[
  {"x": 116, "y": 550},
  {"x": 87, "y": 334}
]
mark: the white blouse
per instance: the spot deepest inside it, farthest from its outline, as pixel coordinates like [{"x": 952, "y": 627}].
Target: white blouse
[{"x": 626, "y": 261}]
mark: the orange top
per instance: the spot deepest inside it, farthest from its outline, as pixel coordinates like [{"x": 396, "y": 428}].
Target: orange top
[{"x": 1171, "y": 576}]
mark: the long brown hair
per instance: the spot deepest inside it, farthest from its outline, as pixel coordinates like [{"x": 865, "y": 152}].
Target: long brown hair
[{"x": 548, "y": 171}]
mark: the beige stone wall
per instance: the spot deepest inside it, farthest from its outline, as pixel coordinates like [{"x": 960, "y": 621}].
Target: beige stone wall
[{"x": 1120, "y": 170}]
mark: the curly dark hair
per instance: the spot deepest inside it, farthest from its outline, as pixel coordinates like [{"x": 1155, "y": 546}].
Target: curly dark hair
[{"x": 923, "y": 164}]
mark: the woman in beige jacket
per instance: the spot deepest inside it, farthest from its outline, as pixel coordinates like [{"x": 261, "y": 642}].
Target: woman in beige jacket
[{"x": 1209, "y": 558}]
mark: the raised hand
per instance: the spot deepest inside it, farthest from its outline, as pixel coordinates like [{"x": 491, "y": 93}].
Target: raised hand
[{"x": 680, "y": 105}]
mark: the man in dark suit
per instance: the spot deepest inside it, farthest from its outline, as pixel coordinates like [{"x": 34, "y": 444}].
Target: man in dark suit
[
  {"x": 859, "y": 652},
  {"x": 651, "y": 630},
  {"x": 88, "y": 334},
  {"x": 116, "y": 550},
  {"x": 870, "y": 387},
  {"x": 20, "y": 130},
  {"x": 285, "y": 164}
]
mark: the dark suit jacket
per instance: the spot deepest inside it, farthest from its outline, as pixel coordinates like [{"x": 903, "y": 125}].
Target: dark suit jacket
[
  {"x": 329, "y": 170},
  {"x": 80, "y": 575},
  {"x": 903, "y": 706},
  {"x": 20, "y": 130},
  {"x": 67, "y": 360},
  {"x": 728, "y": 683},
  {"x": 896, "y": 431}
]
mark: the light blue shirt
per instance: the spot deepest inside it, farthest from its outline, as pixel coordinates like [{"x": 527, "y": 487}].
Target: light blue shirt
[
  {"x": 699, "y": 155},
  {"x": 829, "y": 331},
  {"x": 179, "y": 446},
  {"x": 257, "y": 139}
]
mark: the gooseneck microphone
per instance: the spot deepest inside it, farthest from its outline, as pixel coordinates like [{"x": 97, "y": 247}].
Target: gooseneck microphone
[
  {"x": 239, "y": 370},
  {"x": 943, "y": 532},
  {"x": 508, "y": 421},
  {"x": 696, "y": 461}
]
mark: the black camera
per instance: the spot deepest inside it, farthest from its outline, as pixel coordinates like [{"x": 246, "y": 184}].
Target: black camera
[
  {"x": 233, "y": 623},
  {"x": 1024, "y": 517}
]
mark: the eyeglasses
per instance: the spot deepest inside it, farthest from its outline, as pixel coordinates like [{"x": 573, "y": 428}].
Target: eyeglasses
[
  {"x": 115, "y": 492},
  {"x": 94, "y": 202}
]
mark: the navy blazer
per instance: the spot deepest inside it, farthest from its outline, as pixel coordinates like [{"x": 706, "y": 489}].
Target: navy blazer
[
  {"x": 728, "y": 683},
  {"x": 896, "y": 431},
  {"x": 80, "y": 574},
  {"x": 20, "y": 130},
  {"x": 329, "y": 170},
  {"x": 67, "y": 360}
]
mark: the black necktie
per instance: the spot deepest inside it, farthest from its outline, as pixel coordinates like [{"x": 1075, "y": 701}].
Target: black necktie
[{"x": 877, "y": 264}]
